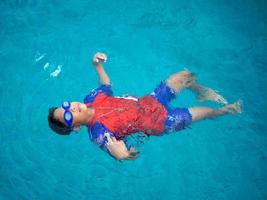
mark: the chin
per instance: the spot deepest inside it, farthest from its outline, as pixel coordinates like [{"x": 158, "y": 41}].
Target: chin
[{"x": 84, "y": 107}]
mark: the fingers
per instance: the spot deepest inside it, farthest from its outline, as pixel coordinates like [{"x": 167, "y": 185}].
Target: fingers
[
  {"x": 99, "y": 57},
  {"x": 123, "y": 146},
  {"x": 102, "y": 56},
  {"x": 113, "y": 139},
  {"x": 128, "y": 155},
  {"x": 133, "y": 151},
  {"x": 131, "y": 157}
]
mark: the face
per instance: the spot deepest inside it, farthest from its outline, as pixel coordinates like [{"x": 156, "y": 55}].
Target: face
[{"x": 81, "y": 114}]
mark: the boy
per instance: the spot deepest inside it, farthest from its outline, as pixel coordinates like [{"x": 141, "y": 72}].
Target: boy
[{"x": 109, "y": 119}]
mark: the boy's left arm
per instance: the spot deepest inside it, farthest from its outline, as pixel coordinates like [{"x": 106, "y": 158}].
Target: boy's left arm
[
  {"x": 106, "y": 140},
  {"x": 98, "y": 59},
  {"x": 118, "y": 149}
]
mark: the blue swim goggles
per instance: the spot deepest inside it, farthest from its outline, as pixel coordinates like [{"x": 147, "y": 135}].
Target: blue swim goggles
[{"x": 67, "y": 114}]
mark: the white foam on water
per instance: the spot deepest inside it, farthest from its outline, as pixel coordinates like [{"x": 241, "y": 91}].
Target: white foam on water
[
  {"x": 40, "y": 57},
  {"x": 56, "y": 72},
  {"x": 46, "y": 65}
]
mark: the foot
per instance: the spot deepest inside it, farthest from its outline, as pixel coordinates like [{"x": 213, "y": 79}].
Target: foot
[
  {"x": 209, "y": 94},
  {"x": 234, "y": 108}
]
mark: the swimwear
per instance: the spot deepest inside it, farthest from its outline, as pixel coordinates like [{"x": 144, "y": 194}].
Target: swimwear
[
  {"x": 177, "y": 118},
  {"x": 122, "y": 116}
]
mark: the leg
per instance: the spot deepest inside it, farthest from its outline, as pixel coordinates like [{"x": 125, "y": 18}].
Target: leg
[
  {"x": 199, "y": 113},
  {"x": 206, "y": 94},
  {"x": 166, "y": 91},
  {"x": 185, "y": 79},
  {"x": 180, "y": 80}
]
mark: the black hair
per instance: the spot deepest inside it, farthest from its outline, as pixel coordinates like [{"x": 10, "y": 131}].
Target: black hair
[{"x": 56, "y": 125}]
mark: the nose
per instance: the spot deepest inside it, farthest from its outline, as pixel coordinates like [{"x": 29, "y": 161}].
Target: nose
[{"x": 73, "y": 108}]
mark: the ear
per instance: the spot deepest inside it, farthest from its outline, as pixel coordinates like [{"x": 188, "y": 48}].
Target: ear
[{"x": 77, "y": 128}]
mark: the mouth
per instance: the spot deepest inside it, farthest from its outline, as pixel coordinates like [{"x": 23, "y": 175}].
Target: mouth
[{"x": 78, "y": 108}]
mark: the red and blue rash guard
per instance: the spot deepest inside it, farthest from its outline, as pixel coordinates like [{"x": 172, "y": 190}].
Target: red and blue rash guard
[
  {"x": 126, "y": 116},
  {"x": 122, "y": 116}
]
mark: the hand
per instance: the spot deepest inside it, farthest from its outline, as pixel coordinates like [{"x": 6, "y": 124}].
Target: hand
[
  {"x": 99, "y": 58},
  {"x": 118, "y": 149}
]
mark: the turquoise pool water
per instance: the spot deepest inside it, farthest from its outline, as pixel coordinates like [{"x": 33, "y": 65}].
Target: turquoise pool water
[{"x": 45, "y": 58}]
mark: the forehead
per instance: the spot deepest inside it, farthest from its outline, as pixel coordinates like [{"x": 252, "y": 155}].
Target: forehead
[{"x": 59, "y": 113}]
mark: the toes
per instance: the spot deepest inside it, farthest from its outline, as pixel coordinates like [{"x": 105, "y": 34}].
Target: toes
[{"x": 239, "y": 105}]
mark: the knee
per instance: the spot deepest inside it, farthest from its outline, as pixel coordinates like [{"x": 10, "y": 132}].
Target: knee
[
  {"x": 180, "y": 80},
  {"x": 179, "y": 77},
  {"x": 184, "y": 72}
]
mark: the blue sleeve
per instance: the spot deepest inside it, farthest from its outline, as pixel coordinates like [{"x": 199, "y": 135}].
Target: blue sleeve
[
  {"x": 97, "y": 135},
  {"x": 106, "y": 89}
]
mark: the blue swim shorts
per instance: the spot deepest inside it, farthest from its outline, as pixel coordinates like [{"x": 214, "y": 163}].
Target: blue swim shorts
[{"x": 177, "y": 118}]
